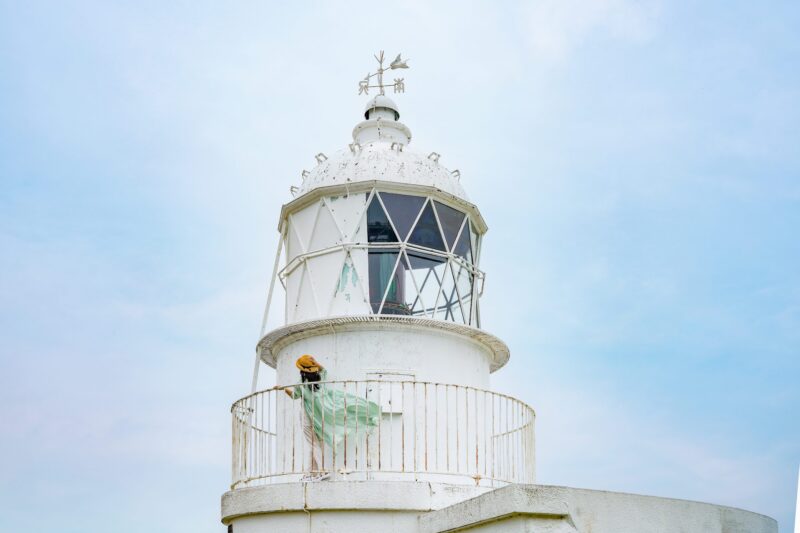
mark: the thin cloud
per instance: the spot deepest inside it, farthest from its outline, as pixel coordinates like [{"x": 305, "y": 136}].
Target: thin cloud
[{"x": 558, "y": 27}]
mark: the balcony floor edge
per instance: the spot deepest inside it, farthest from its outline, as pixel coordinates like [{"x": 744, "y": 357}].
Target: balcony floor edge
[{"x": 395, "y": 496}]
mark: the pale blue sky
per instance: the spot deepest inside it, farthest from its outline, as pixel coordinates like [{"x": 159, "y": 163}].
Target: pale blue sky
[{"x": 637, "y": 163}]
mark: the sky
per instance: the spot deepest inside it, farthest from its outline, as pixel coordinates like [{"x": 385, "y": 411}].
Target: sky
[{"x": 636, "y": 161}]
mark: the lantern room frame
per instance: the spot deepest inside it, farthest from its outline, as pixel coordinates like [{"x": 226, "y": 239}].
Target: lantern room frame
[{"x": 457, "y": 285}]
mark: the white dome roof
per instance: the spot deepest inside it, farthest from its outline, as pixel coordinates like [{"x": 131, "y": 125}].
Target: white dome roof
[
  {"x": 379, "y": 161},
  {"x": 379, "y": 152}
]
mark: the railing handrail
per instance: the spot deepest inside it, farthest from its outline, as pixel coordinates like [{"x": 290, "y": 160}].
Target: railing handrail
[{"x": 434, "y": 383}]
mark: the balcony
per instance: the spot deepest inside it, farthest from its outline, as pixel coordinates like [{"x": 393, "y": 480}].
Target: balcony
[{"x": 390, "y": 430}]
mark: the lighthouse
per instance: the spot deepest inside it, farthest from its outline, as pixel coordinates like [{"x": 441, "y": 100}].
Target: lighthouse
[{"x": 379, "y": 266}]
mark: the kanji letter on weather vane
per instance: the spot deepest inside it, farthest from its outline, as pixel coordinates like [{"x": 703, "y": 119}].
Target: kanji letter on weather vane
[{"x": 399, "y": 84}]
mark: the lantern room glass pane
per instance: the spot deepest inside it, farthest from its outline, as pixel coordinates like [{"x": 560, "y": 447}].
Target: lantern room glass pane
[
  {"x": 436, "y": 283},
  {"x": 463, "y": 247},
  {"x": 474, "y": 236},
  {"x": 427, "y": 271},
  {"x": 378, "y": 227},
  {"x": 403, "y": 210},
  {"x": 411, "y": 281},
  {"x": 455, "y": 313},
  {"x": 451, "y": 221},
  {"x": 426, "y": 232},
  {"x": 464, "y": 284},
  {"x": 450, "y": 309},
  {"x": 385, "y": 273}
]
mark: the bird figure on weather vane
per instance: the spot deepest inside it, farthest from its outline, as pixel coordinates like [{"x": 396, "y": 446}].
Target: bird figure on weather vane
[{"x": 399, "y": 84}]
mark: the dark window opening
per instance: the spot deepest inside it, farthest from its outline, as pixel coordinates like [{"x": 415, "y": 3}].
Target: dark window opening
[
  {"x": 451, "y": 221},
  {"x": 387, "y": 277},
  {"x": 412, "y": 281},
  {"x": 403, "y": 210},
  {"x": 378, "y": 227},
  {"x": 426, "y": 233}
]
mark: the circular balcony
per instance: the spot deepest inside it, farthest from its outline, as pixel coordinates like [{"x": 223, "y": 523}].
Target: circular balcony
[{"x": 383, "y": 431}]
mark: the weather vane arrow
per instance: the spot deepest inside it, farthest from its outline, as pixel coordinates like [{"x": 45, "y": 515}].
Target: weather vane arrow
[{"x": 399, "y": 84}]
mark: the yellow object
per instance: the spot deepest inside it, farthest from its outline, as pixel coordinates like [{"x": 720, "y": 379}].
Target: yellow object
[{"x": 307, "y": 363}]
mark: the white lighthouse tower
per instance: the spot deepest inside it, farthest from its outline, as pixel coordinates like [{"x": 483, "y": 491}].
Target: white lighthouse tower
[
  {"x": 380, "y": 265},
  {"x": 379, "y": 256}
]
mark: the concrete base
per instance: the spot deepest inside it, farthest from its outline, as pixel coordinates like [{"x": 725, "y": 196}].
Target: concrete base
[
  {"x": 346, "y": 506},
  {"x": 354, "y": 507},
  {"x": 541, "y": 508}
]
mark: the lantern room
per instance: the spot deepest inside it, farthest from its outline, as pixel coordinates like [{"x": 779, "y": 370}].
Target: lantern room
[{"x": 380, "y": 230}]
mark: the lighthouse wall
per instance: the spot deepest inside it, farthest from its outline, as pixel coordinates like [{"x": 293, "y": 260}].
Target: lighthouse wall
[
  {"x": 355, "y": 507},
  {"x": 405, "y": 352},
  {"x": 333, "y": 283}
]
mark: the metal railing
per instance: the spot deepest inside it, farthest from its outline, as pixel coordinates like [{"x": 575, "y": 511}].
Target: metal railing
[{"x": 418, "y": 431}]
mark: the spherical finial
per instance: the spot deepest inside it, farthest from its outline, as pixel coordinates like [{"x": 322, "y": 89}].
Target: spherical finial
[{"x": 381, "y": 103}]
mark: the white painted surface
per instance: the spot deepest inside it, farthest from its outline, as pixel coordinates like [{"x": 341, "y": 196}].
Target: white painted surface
[
  {"x": 381, "y": 104},
  {"x": 525, "y": 524},
  {"x": 381, "y": 127},
  {"x": 424, "y": 508},
  {"x": 334, "y": 282},
  {"x": 591, "y": 511},
  {"x": 373, "y": 157},
  {"x": 379, "y": 161},
  {"x": 328, "y": 522},
  {"x": 427, "y": 354},
  {"x": 361, "y": 500},
  {"x": 277, "y": 340}
]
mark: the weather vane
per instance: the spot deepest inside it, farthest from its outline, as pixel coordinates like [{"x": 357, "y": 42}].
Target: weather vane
[{"x": 399, "y": 85}]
